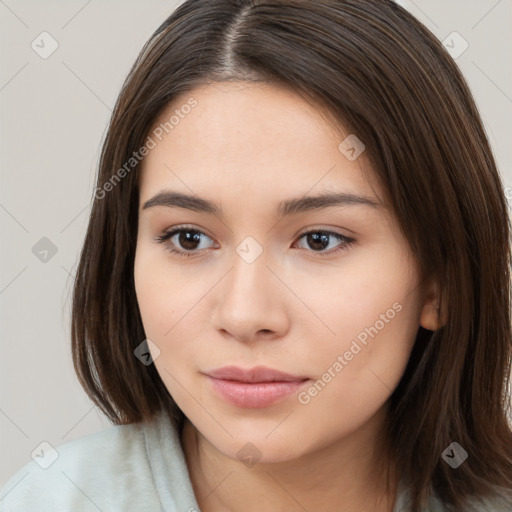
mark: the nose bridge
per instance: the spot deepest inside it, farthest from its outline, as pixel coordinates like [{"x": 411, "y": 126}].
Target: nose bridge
[
  {"x": 250, "y": 275},
  {"x": 249, "y": 299}
]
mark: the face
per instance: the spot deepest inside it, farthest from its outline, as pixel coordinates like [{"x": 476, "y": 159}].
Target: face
[{"x": 266, "y": 281}]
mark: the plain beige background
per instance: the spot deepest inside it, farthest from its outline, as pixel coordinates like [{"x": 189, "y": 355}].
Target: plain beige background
[{"x": 54, "y": 113}]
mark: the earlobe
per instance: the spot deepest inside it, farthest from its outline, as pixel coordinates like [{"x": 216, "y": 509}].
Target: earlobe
[
  {"x": 433, "y": 314},
  {"x": 430, "y": 318}
]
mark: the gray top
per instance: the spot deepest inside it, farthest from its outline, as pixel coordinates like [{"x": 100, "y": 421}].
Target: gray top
[{"x": 137, "y": 467}]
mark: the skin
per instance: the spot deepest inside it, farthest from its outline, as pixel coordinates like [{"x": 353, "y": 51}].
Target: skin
[{"x": 248, "y": 147}]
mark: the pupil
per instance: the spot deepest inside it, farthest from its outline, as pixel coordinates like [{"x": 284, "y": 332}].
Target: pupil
[
  {"x": 314, "y": 238},
  {"x": 185, "y": 239}
]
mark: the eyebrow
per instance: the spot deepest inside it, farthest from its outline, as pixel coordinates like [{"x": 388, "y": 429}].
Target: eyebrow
[{"x": 287, "y": 207}]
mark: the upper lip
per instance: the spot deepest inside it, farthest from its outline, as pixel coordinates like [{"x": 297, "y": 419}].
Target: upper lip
[{"x": 256, "y": 374}]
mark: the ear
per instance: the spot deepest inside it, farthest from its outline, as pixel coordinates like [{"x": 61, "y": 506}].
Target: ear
[{"x": 433, "y": 315}]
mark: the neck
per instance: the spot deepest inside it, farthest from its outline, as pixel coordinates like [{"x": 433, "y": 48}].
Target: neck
[{"x": 348, "y": 475}]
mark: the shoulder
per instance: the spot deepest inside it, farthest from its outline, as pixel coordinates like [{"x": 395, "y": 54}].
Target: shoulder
[
  {"x": 492, "y": 504},
  {"x": 489, "y": 504},
  {"x": 495, "y": 503},
  {"x": 85, "y": 474}
]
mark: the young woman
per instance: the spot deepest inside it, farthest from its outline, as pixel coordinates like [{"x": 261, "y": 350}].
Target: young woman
[{"x": 294, "y": 292}]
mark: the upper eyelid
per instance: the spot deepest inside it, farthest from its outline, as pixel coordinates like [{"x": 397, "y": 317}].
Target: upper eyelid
[
  {"x": 177, "y": 229},
  {"x": 302, "y": 232}
]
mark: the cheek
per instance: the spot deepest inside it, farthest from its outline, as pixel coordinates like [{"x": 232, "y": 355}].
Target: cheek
[
  {"x": 169, "y": 299},
  {"x": 159, "y": 295},
  {"x": 156, "y": 304},
  {"x": 372, "y": 309},
  {"x": 358, "y": 369},
  {"x": 163, "y": 288}
]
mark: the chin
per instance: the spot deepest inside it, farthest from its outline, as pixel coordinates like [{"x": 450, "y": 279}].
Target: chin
[{"x": 253, "y": 450}]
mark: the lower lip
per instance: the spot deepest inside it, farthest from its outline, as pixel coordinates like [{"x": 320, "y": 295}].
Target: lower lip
[{"x": 255, "y": 395}]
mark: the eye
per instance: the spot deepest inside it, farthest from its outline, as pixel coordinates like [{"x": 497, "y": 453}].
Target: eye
[
  {"x": 319, "y": 240},
  {"x": 186, "y": 241},
  {"x": 186, "y": 237}
]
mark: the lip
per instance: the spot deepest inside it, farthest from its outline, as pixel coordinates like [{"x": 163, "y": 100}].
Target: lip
[{"x": 254, "y": 387}]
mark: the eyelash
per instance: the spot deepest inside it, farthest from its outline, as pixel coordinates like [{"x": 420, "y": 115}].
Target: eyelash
[{"x": 167, "y": 235}]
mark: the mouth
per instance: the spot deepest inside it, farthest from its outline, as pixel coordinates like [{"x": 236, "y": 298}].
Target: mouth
[{"x": 254, "y": 387}]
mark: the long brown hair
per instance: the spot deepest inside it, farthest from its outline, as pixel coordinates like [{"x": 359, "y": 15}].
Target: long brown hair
[{"x": 382, "y": 75}]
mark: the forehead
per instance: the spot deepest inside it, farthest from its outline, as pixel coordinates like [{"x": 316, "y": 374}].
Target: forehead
[{"x": 257, "y": 141}]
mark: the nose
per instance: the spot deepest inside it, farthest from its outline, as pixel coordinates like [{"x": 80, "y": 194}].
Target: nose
[{"x": 251, "y": 302}]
